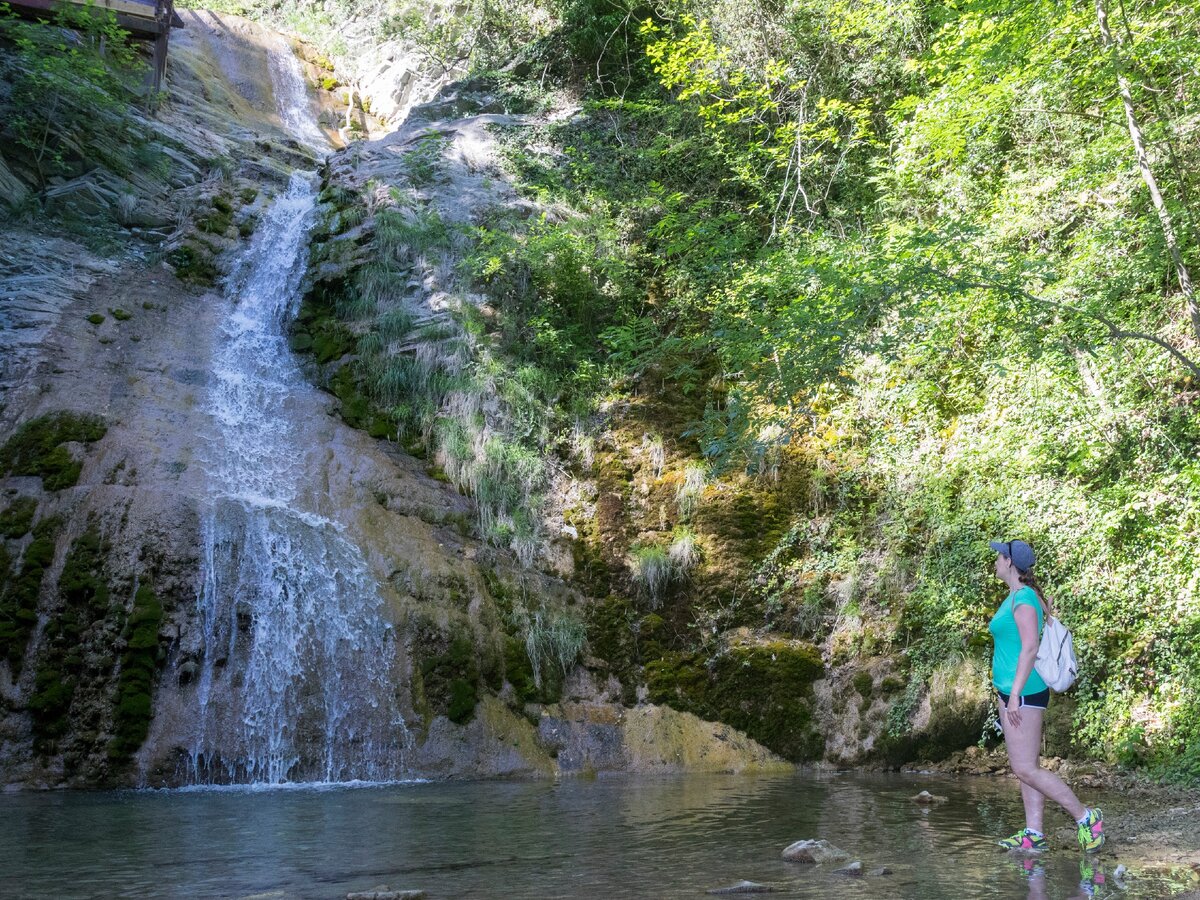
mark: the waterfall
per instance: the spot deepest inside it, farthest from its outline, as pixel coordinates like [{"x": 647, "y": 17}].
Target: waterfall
[{"x": 296, "y": 679}]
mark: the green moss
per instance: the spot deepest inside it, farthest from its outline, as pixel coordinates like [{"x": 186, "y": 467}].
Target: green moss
[
  {"x": 214, "y": 222},
  {"x": 247, "y": 226},
  {"x": 81, "y": 582},
  {"x": 330, "y": 339},
  {"x": 86, "y": 600},
  {"x": 222, "y": 203},
  {"x": 451, "y": 680},
  {"x": 329, "y": 83},
  {"x": 248, "y": 194},
  {"x": 38, "y": 448},
  {"x": 120, "y": 315},
  {"x": 131, "y": 720},
  {"x": 95, "y": 318},
  {"x": 611, "y": 635},
  {"x": 864, "y": 684},
  {"x": 17, "y": 519},
  {"x": 193, "y": 265},
  {"x": 763, "y": 689},
  {"x": 19, "y": 599}
]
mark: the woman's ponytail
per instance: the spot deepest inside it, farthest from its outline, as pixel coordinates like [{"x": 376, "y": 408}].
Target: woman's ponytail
[{"x": 1028, "y": 579}]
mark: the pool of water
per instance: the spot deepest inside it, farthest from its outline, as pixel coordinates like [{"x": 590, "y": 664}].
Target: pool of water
[{"x": 611, "y": 837}]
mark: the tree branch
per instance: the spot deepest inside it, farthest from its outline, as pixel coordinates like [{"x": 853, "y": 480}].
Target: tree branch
[{"x": 1115, "y": 331}]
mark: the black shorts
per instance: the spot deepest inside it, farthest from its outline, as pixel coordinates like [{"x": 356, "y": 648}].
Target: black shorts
[{"x": 1040, "y": 700}]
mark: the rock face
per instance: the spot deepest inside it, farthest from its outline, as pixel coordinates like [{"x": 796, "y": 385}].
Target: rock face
[{"x": 103, "y": 535}]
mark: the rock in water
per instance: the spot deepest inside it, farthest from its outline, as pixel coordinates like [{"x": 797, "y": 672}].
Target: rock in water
[
  {"x": 383, "y": 892},
  {"x": 854, "y": 870},
  {"x": 882, "y": 870},
  {"x": 813, "y": 852},
  {"x": 926, "y": 799},
  {"x": 743, "y": 887}
]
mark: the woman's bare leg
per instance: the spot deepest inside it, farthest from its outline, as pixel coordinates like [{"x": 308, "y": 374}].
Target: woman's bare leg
[{"x": 1024, "y": 748}]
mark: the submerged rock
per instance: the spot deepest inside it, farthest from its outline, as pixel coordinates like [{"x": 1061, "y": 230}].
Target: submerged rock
[
  {"x": 743, "y": 887},
  {"x": 383, "y": 892},
  {"x": 854, "y": 870},
  {"x": 927, "y": 799},
  {"x": 882, "y": 870},
  {"x": 814, "y": 852}
]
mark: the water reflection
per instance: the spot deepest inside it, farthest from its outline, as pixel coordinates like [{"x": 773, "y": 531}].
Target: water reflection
[{"x": 615, "y": 838}]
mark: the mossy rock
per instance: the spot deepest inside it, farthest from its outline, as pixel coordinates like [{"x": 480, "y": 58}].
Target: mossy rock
[
  {"x": 193, "y": 265},
  {"x": 96, "y": 319},
  {"x": 300, "y": 341},
  {"x": 450, "y": 680},
  {"x": 17, "y": 518},
  {"x": 139, "y": 664},
  {"x": 119, "y": 314},
  {"x": 330, "y": 340},
  {"x": 763, "y": 689},
  {"x": 86, "y": 601},
  {"x": 19, "y": 602},
  {"x": 864, "y": 684},
  {"x": 38, "y": 447},
  {"x": 357, "y": 410}
]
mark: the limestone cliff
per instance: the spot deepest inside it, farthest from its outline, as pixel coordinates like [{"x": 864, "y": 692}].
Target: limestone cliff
[{"x": 108, "y": 361}]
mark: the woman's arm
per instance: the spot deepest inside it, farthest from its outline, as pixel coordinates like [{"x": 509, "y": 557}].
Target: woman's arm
[{"x": 1027, "y": 627}]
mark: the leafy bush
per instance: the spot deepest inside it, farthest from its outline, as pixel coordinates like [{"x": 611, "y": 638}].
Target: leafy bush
[{"x": 72, "y": 81}]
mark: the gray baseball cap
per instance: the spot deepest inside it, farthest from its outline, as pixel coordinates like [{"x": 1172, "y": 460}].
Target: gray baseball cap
[{"x": 1019, "y": 552}]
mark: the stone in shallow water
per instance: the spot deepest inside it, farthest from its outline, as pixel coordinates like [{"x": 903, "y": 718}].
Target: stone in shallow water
[
  {"x": 383, "y": 892},
  {"x": 813, "y": 852},
  {"x": 854, "y": 870},
  {"x": 882, "y": 870},
  {"x": 925, "y": 798},
  {"x": 743, "y": 887}
]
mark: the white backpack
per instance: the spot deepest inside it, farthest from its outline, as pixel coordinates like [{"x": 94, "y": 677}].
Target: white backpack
[{"x": 1056, "y": 662}]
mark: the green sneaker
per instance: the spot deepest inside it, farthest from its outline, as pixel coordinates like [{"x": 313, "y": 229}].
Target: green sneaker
[
  {"x": 1091, "y": 831},
  {"x": 1025, "y": 840}
]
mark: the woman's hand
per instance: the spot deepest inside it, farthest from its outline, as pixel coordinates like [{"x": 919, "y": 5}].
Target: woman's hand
[{"x": 1014, "y": 711}]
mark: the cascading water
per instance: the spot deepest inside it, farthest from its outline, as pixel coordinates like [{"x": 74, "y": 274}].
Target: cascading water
[{"x": 296, "y": 680}]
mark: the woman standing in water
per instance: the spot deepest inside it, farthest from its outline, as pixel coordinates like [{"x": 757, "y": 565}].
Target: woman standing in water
[{"x": 1016, "y": 630}]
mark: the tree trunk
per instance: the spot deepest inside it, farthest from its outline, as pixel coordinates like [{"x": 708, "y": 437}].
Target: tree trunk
[{"x": 1143, "y": 160}]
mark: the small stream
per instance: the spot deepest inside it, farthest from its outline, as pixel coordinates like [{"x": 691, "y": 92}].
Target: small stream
[{"x": 608, "y": 838}]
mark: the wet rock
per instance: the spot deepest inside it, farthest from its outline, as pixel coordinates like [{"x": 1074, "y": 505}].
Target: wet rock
[
  {"x": 927, "y": 799},
  {"x": 743, "y": 887},
  {"x": 383, "y": 892},
  {"x": 813, "y": 852},
  {"x": 854, "y": 870},
  {"x": 882, "y": 870}
]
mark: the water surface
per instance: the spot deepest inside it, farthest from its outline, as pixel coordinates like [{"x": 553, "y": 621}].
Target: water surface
[{"x": 613, "y": 837}]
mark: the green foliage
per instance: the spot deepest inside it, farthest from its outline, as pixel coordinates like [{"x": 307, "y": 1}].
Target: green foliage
[
  {"x": 38, "y": 447},
  {"x": 72, "y": 81}
]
